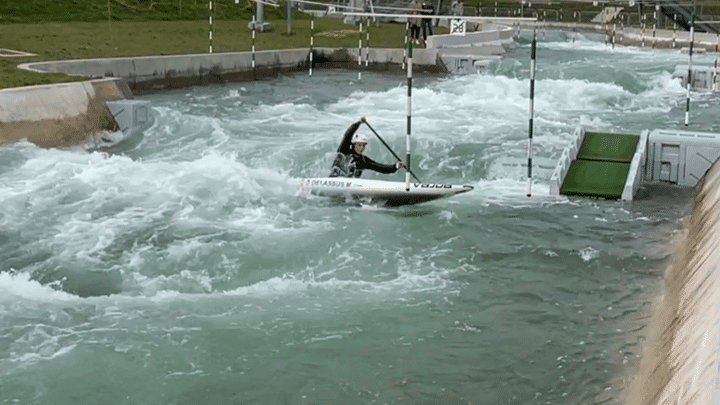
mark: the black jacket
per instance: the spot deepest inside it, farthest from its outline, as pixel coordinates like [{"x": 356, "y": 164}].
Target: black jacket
[{"x": 349, "y": 163}]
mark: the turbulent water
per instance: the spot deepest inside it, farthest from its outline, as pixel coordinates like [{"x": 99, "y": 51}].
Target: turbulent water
[{"x": 186, "y": 268}]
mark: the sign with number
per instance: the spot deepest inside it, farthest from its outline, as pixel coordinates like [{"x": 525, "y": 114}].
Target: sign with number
[{"x": 457, "y": 27}]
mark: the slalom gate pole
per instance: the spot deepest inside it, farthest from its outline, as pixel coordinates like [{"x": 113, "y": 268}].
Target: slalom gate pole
[
  {"x": 642, "y": 32},
  {"x": 657, "y": 11},
  {"x": 407, "y": 32},
  {"x": 574, "y": 27},
  {"x": 367, "y": 43},
  {"x": 210, "y": 12},
  {"x": 312, "y": 40},
  {"x": 532, "y": 99},
  {"x": 253, "y": 47},
  {"x": 409, "y": 117},
  {"x": 390, "y": 149},
  {"x": 360, "y": 31},
  {"x": 607, "y": 34},
  {"x": 689, "y": 78}
]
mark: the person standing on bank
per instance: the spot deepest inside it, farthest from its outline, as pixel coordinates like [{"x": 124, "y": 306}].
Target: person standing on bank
[
  {"x": 415, "y": 22},
  {"x": 457, "y": 8},
  {"x": 427, "y": 9},
  {"x": 351, "y": 160}
]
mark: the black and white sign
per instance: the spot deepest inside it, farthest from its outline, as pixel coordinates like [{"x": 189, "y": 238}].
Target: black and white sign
[{"x": 457, "y": 27}]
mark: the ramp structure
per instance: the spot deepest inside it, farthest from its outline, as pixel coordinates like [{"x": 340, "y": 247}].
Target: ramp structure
[
  {"x": 601, "y": 164},
  {"x": 614, "y": 166}
]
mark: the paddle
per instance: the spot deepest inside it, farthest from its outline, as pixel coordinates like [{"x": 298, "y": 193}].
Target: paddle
[{"x": 390, "y": 149}]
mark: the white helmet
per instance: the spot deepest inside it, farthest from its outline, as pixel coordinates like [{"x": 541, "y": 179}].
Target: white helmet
[{"x": 359, "y": 138}]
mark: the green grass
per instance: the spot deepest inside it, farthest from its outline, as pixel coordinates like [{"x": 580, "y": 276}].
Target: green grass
[
  {"x": 75, "y": 29},
  {"x": 41, "y": 11},
  {"x": 72, "y": 29},
  {"x": 56, "y": 41}
]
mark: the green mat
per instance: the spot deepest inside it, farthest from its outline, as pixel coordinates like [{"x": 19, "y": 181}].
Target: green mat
[
  {"x": 595, "y": 178},
  {"x": 608, "y": 147}
]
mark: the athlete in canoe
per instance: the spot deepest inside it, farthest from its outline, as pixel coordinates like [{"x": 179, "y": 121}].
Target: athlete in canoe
[{"x": 351, "y": 160}]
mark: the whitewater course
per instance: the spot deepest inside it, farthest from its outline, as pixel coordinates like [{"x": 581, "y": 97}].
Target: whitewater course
[{"x": 155, "y": 249}]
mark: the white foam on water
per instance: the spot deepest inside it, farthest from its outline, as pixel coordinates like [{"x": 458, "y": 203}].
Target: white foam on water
[
  {"x": 46, "y": 353},
  {"x": 216, "y": 170},
  {"x": 15, "y": 286}
]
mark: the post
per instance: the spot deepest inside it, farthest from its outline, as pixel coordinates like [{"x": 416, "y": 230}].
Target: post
[
  {"x": 689, "y": 78},
  {"x": 260, "y": 14},
  {"x": 407, "y": 31},
  {"x": 655, "y": 24},
  {"x": 642, "y": 32},
  {"x": 312, "y": 40},
  {"x": 575, "y": 15},
  {"x": 409, "y": 116},
  {"x": 607, "y": 34},
  {"x": 360, "y": 31},
  {"x": 253, "y": 48},
  {"x": 288, "y": 4},
  {"x": 367, "y": 43},
  {"x": 674, "y": 29},
  {"x": 210, "y": 8},
  {"x": 532, "y": 98}
]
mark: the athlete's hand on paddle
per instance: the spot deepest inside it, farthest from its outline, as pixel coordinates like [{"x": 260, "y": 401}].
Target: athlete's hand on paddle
[{"x": 399, "y": 165}]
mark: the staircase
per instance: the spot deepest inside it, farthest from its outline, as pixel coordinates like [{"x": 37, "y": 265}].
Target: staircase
[{"x": 682, "y": 11}]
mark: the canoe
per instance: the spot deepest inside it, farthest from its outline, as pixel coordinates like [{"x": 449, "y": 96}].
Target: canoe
[{"x": 389, "y": 193}]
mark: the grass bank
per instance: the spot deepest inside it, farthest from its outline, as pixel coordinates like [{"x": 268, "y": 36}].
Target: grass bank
[
  {"x": 73, "y": 29},
  {"x": 77, "y": 40}
]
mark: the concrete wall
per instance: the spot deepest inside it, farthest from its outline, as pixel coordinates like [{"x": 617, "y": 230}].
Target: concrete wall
[
  {"x": 146, "y": 73},
  {"x": 629, "y": 36},
  {"x": 59, "y": 115},
  {"x": 491, "y": 35},
  {"x": 680, "y": 361}
]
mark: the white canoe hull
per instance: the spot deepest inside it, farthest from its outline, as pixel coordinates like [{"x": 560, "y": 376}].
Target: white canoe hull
[{"x": 392, "y": 193}]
